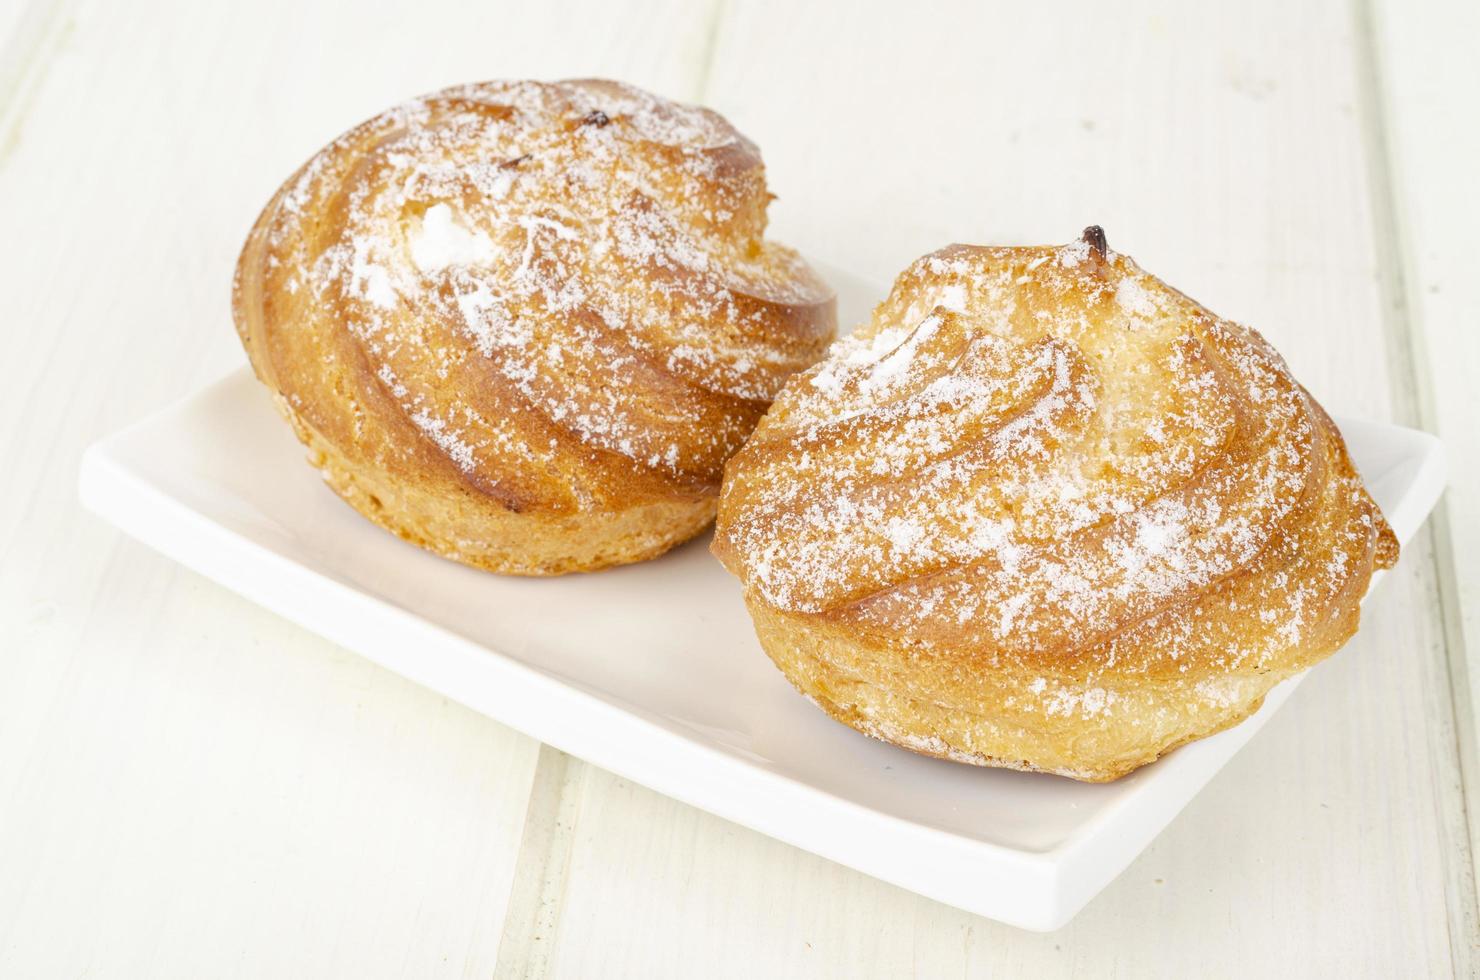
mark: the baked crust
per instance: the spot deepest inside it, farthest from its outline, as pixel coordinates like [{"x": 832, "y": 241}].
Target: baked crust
[
  {"x": 523, "y": 324},
  {"x": 1045, "y": 512}
]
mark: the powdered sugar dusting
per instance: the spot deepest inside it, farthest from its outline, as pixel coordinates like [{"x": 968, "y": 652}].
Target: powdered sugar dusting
[
  {"x": 1045, "y": 456},
  {"x": 582, "y": 257},
  {"x": 444, "y": 240}
]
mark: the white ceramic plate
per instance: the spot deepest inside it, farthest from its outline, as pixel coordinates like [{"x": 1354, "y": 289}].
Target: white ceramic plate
[{"x": 652, "y": 671}]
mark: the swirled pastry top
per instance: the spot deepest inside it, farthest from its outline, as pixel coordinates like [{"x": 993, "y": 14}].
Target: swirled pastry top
[
  {"x": 1046, "y": 455},
  {"x": 562, "y": 288}
]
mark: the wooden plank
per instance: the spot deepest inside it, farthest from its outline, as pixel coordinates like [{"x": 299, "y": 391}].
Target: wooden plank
[
  {"x": 1427, "y": 84},
  {"x": 1225, "y": 148},
  {"x": 189, "y": 786}
]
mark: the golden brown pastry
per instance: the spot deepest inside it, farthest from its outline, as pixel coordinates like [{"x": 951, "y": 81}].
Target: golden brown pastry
[
  {"x": 523, "y": 325},
  {"x": 1045, "y": 512}
]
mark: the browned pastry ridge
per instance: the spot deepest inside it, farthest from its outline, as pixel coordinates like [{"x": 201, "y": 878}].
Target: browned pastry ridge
[
  {"x": 524, "y": 325},
  {"x": 1047, "y": 513}
]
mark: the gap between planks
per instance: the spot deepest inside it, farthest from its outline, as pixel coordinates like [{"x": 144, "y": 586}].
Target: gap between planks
[
  {"x": 717, "y": 13},
  {"x": 1412, "y": 399},
  {"x": 25, "y": 57},
  {"x": 532, "y": 918}
]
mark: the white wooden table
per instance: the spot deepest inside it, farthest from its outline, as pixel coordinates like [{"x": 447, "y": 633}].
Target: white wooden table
[{"x": 191, "y": 787}]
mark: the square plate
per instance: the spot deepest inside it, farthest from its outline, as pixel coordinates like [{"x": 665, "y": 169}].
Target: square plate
[{"x": 652, "y": 671}]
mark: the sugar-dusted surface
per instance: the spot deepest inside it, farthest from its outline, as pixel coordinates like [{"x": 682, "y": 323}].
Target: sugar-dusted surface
[
  {"x": 1045, "y": 460},
  {"x": 530, "y": 273}
]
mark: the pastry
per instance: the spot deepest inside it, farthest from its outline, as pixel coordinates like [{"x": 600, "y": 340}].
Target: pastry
[
  {"x": 523, "y": 325},
  {"x": 1045, "y": 512}
]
